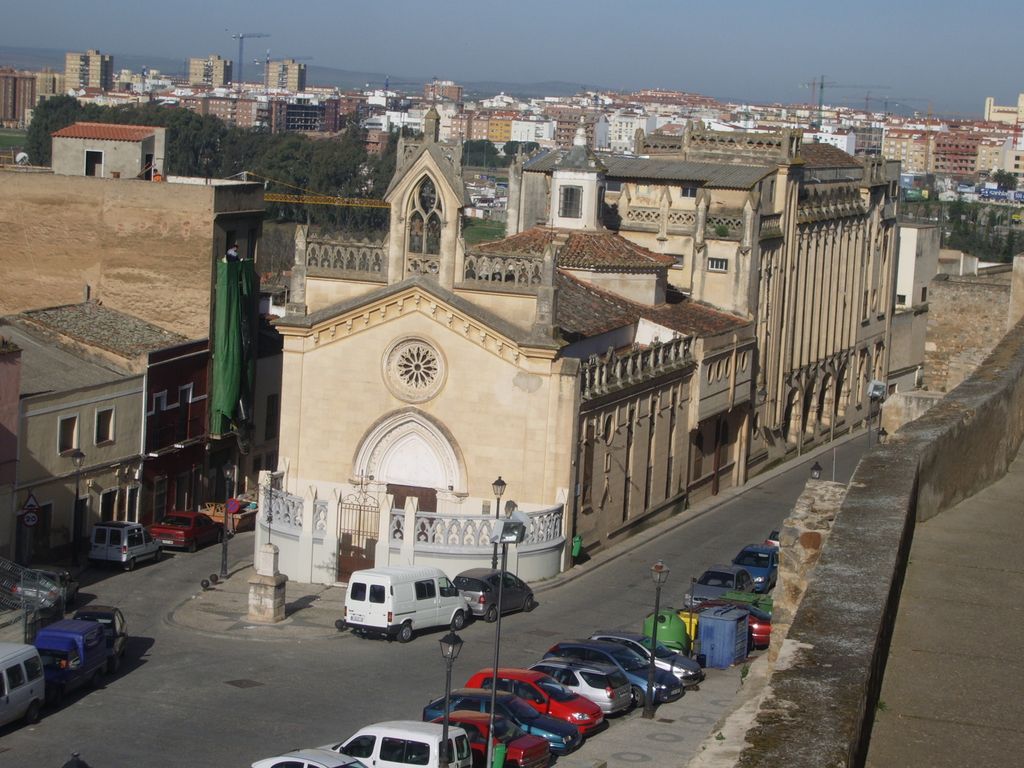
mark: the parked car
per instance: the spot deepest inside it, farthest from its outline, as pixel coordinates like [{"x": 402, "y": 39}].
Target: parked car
[
  {"x": 309, "y": 758},
  {"x": 716, "y": 581},
  {"x": 773, "y": 538},
  {"x": 761, "y": 561},
  {"x": 123, "y": 543},
  {"x": 398, "y": 743},
  {"x": 480, "y": 588},
  {"x": 22, "y": 686},
  {"x": 603, "y": 684},
  {"x": 666, "y": 685},
  {"x": 186, "y": 530},
  {"x": 759, "y": 622},
  {"x": 397, "y": 600},
  {"x": 562, "y": 738},
  {"x": 687, "y": 670},
  {"x": 546, "y": 695},
  {"x": 50, "y": 593},
  {"x": 73, "y": 653},
  {"x": 521, "y": 749},
  {"x": 115, "y": 629}
]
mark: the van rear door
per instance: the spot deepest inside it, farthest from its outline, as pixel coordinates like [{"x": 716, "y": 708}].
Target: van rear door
[{"x": 368, "y": 602}]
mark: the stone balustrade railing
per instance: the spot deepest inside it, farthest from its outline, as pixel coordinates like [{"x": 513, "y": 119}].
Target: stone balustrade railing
[
  {"x": 282, "y": 511},
  {"x": 771, "y": 225},
  {"x": 511, "y": 271},
  {"x": 471, "y": 532},
  {"x": 364, "y": 258},
  {"x": 600, "y": 375}
]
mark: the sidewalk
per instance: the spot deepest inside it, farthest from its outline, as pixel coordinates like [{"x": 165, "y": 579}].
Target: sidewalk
[{"x": 951, "y": 695}]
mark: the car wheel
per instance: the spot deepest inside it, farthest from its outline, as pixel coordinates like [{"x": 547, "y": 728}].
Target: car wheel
[
  {"x": 97, "y": 678},
  {"x": 55, "y": 696},
  {"x": 130, "y": 565},
  {"x": 158, "y": 555},
  {"x": 192, "y": 546},
  {"x": 530, "y": 604},
  {"x": 405, "y": 633},
  {"x": 636, "y": 697},
  {"x": 113, "y": 664},
  {"x": 32, "y": 713},
  {"x": 492, "y": 614},
  {"x": 458, "y": 621}
]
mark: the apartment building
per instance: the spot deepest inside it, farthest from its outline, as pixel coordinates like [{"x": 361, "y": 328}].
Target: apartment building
[
  {"x": 17, "y": 96},
  {"x": 286, "y": 74},
  {"x": 213, "y": 71},
  {"x": 91, "y": 69},
  {"x": 442, "y": 90}
]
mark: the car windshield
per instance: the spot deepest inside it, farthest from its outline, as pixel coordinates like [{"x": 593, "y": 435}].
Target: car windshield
[
  {"x": 555, "y": 689},
  {"x": 753, "y": 559},
  {"x": 628, "y": 660},
  {"x": 716, "y": 579},
  {"x": 519, "y": 709},
  {"x": 505, "y": 730},
  {"x": 470, "y": 585},
  {"x": 661, "y": 651},
  {"x": 99, "y": 618},
  {"x": 53, "y": 659},
  {"x": 176, "y": 521}
]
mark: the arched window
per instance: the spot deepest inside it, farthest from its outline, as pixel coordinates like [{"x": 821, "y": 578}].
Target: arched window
[{"x": 425, "y": 219}]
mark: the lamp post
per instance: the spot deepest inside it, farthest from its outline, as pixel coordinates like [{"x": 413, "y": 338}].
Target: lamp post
[
  {"x": 76, "y": 516},
  {"x": 659, "y": 574},
  {"x": 229, "y": 481},
  {"x": 506, "y": 532},
  {"x": 816, "y": 471},
  {"x": 451, "y": 644},
  {"x": 498, "y": 486}
]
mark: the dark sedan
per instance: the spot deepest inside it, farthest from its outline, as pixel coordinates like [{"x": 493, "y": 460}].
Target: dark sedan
[{"x": 480, "y": 588}]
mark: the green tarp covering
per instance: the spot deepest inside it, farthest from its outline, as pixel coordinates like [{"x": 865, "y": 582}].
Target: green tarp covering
[{"x": 234, "y": 354}]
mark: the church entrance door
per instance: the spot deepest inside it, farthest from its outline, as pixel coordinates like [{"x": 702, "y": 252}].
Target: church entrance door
[{"x": 359, "y": 528}]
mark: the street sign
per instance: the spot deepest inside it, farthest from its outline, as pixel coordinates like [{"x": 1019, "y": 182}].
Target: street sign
[
  {"x": 232, "y": 506},
  {"x": 30, "y": 505},
  {"x": 29, "y": 519}
]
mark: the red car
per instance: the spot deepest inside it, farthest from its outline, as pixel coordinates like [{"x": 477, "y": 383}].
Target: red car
[
  {"x": 546, "y": 695},
  {"x": 188, "y": 530},
  {"x": 759, "y": 622},
  {"x": 522, "y": 750}
]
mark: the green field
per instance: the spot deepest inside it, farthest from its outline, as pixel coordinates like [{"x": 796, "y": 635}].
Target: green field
[
  {"x": 9, "y": 138},
  {"x": 482, "y": 230}
]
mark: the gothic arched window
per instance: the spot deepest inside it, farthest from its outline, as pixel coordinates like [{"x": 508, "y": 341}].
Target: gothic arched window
[{"x": 425, "y": 219}]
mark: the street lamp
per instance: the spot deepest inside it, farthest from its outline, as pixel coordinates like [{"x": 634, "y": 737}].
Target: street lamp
[
  {"x": 659, "y": 574},
  {"x": 76, "y": 515},
  {"x": 498, "y": 486},
  {"x": 451, "y": 644},
  {"x": 816, "y": 471},
  {"x": 511, "y": 531},
  {"x": 229, "y": 481}
]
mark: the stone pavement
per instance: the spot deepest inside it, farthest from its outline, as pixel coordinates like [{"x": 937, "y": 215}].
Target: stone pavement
[{"x": 953, "y": 692}]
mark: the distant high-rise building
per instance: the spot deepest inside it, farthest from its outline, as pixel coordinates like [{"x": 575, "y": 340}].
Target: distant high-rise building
[
  {"x": 91, "y": 69},
  {"x": 17, "y": 94},
  {"x": 1001, "y": 113},
  {"x": 442, "y": 90},
  {"x": 287, "y": 74},
  {"x": 213, "y": 71}
]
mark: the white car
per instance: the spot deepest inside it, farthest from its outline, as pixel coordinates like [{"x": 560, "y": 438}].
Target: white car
[{"x": 309, "y": 758}]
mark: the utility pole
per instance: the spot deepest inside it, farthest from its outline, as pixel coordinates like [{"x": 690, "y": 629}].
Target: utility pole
[{"x": 240, "y": 62}]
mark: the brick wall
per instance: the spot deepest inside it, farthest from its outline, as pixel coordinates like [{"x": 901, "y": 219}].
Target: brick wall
[{"x": 966, "y": 319}]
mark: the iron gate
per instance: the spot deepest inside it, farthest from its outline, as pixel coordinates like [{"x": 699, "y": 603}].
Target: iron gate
[{"x": 359, "y": 529}]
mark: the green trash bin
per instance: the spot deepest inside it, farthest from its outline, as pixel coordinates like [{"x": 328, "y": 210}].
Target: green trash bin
[
  {"x": 577, "y": 546},
  {"x": 671, "y": 630},
  {"x": 762, "y": 602},
  {"x": 499, "y": 756}
]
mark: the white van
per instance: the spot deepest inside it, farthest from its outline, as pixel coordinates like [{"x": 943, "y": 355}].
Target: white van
[
  {"x": 396, "y": 601},
  {"x": 400, "y": 743},
  {"x": 22, "y": 687}
]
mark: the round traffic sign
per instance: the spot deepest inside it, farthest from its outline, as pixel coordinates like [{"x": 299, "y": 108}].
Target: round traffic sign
[
  {"x": 232, "y": 506},
  {"x": 29, "y": 519}
]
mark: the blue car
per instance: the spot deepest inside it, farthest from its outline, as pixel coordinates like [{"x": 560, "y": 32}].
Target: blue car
[
  {"x": 761, "y": 561},
  {"x": 666, "y": 685},
  {"x": 562, "y": 737}
]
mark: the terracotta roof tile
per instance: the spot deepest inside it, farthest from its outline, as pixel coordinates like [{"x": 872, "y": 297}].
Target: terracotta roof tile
[
  {"x": 603, "y": 250},
  {"x": 826, "y": 156},
  {"x": 585, "y": 311},
  {"x": 105, "y": 131}
]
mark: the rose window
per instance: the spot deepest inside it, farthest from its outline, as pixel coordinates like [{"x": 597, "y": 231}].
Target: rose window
[
  {"x": 413, "y": 370},
  {"x": 417, "y": 366}
]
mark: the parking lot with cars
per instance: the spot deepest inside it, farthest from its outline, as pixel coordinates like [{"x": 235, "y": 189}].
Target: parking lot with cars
[{"x": 219, "y": 691}]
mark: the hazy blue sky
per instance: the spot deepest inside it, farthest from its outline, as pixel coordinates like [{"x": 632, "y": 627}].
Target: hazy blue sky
[{"x": 950, "y": 53}]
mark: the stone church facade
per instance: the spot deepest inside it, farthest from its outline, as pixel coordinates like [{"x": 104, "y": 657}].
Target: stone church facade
[{"x": 563, "y": 359}]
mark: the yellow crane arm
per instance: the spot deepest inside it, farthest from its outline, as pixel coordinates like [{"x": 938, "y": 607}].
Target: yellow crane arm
[{"x": 349, "y": 202}]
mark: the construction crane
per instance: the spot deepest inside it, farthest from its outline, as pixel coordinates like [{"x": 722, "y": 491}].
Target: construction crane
[
  {"x": 819, "y": 85},
  {"x": 308, "y": 197},
  {"x": 241, "y": 37}
]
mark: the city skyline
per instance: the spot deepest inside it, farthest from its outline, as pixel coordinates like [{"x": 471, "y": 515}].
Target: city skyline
[{"x": 942, "y": 55}]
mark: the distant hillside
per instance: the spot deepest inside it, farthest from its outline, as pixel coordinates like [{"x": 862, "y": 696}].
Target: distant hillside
[{"x": 40, "y": 58}]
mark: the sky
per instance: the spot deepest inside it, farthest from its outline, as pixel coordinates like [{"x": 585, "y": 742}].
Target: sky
[{"x": 948, "y": 54}]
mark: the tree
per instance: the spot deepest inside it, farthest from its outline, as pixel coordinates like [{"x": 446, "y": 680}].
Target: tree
[
  {"x": 480, "y": 152},
  {"x": 49, "y": 116},
  {"x": 1006, "y": 180},
  {"x": 512, "y": 147}
]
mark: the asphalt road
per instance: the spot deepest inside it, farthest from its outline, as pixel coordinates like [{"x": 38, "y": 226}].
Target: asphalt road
[{"x": 187, "y": 699}]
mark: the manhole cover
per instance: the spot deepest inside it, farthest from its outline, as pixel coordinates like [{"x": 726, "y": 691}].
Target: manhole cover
[
  {"x": 666, "y": 720},
  {"x": 244, "y": 683}
]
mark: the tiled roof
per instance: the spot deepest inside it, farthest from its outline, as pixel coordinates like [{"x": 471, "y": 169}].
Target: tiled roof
[
  {"x": 601, "y": 250},
  {"x": 105, "y": 131},
  {"x": 95, "y": 325},
  {"x": 585, "y": 311},
  {"x": 826, "y": 156},
  {"x": 724, "y": 175}
]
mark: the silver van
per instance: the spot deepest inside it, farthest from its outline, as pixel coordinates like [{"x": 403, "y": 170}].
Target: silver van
[
  {"x": 124, "y": 543},
  {"x": 22, "y": 687}
]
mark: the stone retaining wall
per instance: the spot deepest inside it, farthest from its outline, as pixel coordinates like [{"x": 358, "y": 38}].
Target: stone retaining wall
[{"x": 820, "y": 708}]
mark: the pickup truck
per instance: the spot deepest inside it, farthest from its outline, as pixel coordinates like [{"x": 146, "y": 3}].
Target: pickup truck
[{"x": 73, "y": 653}]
